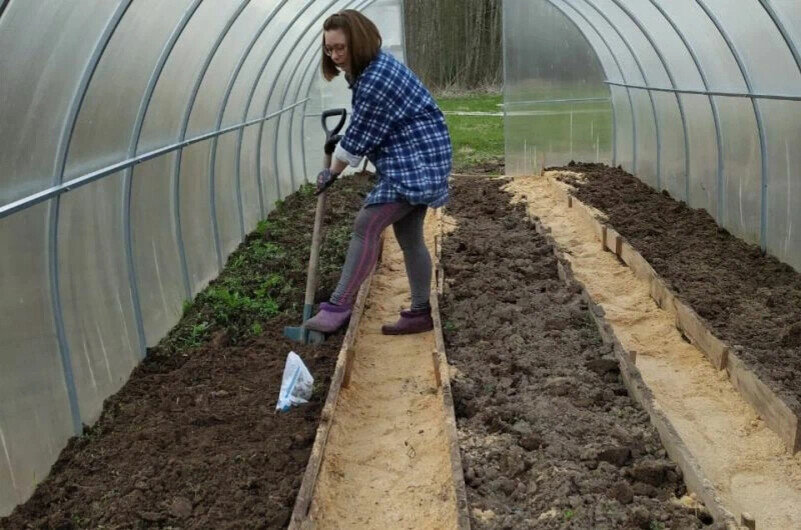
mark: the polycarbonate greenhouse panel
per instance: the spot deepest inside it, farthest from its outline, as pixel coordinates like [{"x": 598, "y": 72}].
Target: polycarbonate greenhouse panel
[
  {"x": 226, "y": 193},
  {"x": 115, "y": 92},
  {"x": 623, "y": 133},
  {"x": 765, "y": 55},
  {"x": 742, "y": 167},
  {"x": 58, "y": 37},
  {"x": 99, "y": 316},
  {"x": 313, "y": 136},
  {"x": 783, "y": 203},
  {"x": 622, "y": 145},
  {"x": 577, "y": 123},
  {"x": 35, "y": 418},
  {"x": 165, "y": 117},
  {"x": 703, "y": 170},
  {"x": 156, "y": 248},
  {"x": 197, "y": 230},
  {"x": 713, "y": 94}
]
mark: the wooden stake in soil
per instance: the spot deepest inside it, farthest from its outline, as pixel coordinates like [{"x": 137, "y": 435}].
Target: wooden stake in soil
[
  {"x": 349, "y": 355},
  {"x": 603, "y": 238},
  {"x": 437, "y": 375}
]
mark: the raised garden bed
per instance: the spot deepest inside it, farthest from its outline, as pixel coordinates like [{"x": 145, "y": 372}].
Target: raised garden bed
[
  {"x": 192, "y": 440},
  {"x": 749, "y": 304},
  {"x": 549, "y": 435}
]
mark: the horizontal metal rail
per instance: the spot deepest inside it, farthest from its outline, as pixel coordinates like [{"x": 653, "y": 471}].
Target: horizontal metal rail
[
  {"x": 546, "y": 101},
  {"x": 750, "y": 95},
  {"x": 49, "y": 193}
]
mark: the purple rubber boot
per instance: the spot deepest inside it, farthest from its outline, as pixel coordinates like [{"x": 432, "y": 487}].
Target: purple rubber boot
[
  {"x": 418, "y": 321},
  {"x": 329, "y": 318}
]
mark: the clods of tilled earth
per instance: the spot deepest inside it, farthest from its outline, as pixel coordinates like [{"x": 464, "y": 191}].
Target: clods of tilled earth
[{"x": 549, "y": 435}]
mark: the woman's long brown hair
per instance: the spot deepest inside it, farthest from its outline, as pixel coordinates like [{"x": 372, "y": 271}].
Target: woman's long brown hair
[{"x": 363, "y": 40}]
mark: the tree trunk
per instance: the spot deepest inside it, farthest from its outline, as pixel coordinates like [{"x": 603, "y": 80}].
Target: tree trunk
[{"x": 455, "y": 43}]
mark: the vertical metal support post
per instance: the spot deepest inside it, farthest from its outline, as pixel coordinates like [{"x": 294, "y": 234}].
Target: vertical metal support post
[
  {"x": 61, "y": 162},
  {"x": 619, "y": 68},
  {"x": 176, "y": 173},
  {"x": 712, "y": 103},
  {"x": 757, "y": 113},
  {"x": 679, "y": 102},
  {"x": 647, "y": 82},
  {"x": 221, "y": 113},
  {"x": 128, "y": 174}
]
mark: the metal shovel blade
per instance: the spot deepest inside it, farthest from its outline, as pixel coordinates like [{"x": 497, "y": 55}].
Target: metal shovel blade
[{"x": 303, "y": 335}]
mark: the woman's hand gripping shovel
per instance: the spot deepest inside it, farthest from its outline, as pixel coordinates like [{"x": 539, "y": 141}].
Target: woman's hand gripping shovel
[{"x": 301, "y": 334}]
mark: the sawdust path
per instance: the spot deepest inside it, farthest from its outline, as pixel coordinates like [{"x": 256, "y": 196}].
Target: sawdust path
[
  {"x": 744, "y": 459},
  {"x": 387, "y": 461}
]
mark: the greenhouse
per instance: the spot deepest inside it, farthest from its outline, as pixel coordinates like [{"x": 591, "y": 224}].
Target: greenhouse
[{"x": 612, "y": 331}]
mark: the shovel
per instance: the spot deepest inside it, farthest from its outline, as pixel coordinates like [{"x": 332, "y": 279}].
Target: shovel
[{"x": 300, "y": 333}]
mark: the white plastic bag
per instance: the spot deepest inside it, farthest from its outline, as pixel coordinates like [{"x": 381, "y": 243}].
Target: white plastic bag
[{"x": 296, "y": 384}]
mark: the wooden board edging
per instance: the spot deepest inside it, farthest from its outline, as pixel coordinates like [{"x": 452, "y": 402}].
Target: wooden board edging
[
  {"x": 463, "y": 514},
  {"x": 782, "y": 414},
  {"x": 344, "y": 360}
]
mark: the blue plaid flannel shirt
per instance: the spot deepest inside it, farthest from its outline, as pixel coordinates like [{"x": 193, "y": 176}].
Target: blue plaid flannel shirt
[{"x": 398, "y": 126}]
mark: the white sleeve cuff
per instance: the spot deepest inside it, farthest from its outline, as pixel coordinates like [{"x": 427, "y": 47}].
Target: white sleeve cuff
[{"x": 344, "y": 156}]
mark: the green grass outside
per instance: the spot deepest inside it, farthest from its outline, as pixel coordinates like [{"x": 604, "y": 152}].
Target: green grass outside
[
  {"x": 471, "y": 102},
  {"x": 477, "y": 140}
]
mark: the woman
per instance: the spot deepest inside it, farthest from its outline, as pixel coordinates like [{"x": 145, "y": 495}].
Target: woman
[{"x": 397, "y": 125}]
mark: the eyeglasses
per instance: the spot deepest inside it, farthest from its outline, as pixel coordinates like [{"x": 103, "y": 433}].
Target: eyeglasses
[{"x": 337, "y": 48}]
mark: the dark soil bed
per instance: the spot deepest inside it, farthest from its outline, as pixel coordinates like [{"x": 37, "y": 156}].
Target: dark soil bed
[
  {"x": 192, "y": 440},
  {"x": 549, "y": 436},
  {"x": 751, "y": 300}
]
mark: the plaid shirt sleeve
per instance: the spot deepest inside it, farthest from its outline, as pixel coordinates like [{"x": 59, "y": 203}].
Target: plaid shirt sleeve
[{"x": 398, "y": 126}]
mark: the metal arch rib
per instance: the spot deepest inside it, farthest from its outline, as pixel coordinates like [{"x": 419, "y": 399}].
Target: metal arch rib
[
  {"x": 176, "y": 174},
  {"x": 619, "y": 67},
  {"x": 650, "y": 95},
  {"x": 757, "y": 113},
  {"x": 297, "y": 96},
  {"x": 712, "y": 103},
  {"x": 239, "y": 139},
  {"x": 784, "y": 33},
  {"x": 286, "y": 89},
  {"x": 128, "y": 175},
  {"x": 292, "y": 115},
  {"x": 221, "y": 113},
  {"x": 61, "y": 163},
  {"x": 679, "y": 101},
  {"x": 309, "y": 68}
]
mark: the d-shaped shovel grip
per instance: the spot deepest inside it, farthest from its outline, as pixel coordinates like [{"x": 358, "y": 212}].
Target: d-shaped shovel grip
[
  {"x": 330, "y": 133},
  {"x": 342, "y": 113}
]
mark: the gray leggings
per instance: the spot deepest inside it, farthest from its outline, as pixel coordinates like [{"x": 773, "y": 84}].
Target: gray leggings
[{"x": 407, "y": 221}]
